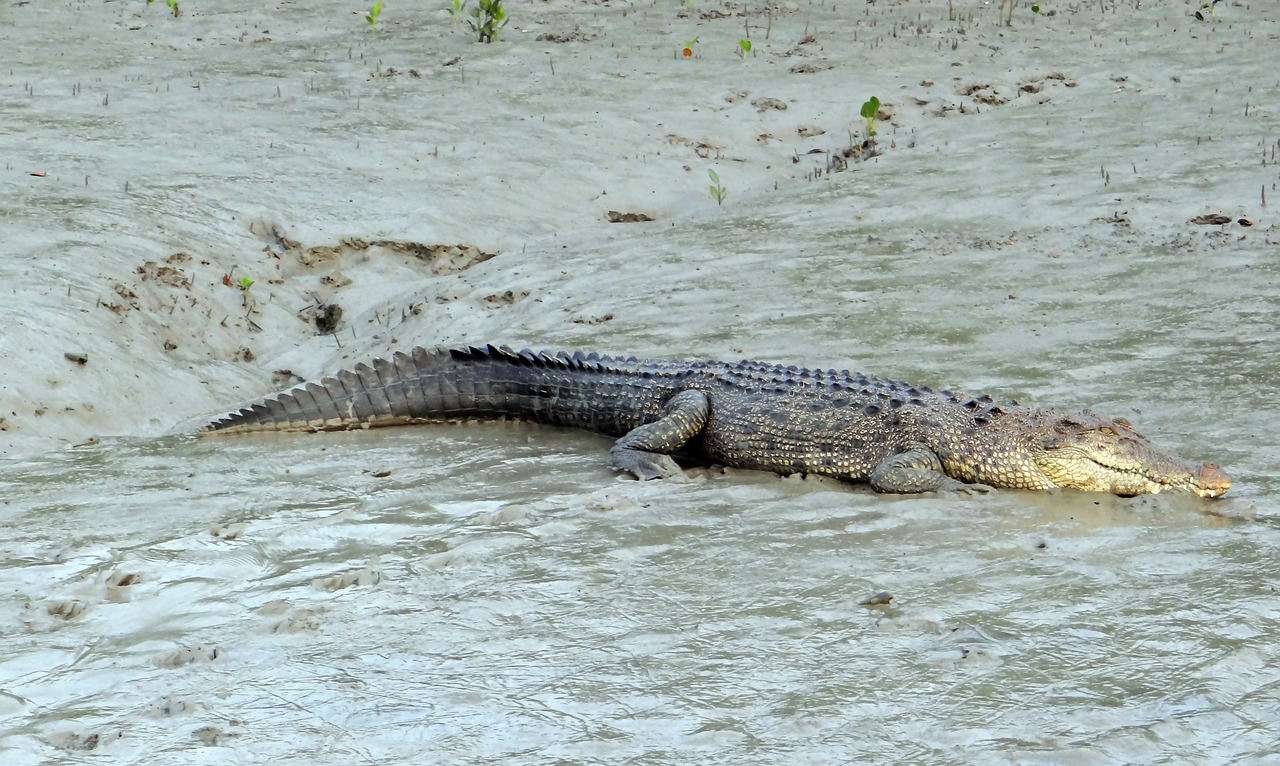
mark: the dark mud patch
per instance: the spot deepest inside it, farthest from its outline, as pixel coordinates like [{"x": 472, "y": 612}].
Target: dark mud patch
[
  {"x": 326, "y": 317},
  {"x": 616, "y": 217},
  {"x": 1211, "y": 219},
  {"x": 442, "y": 259}
]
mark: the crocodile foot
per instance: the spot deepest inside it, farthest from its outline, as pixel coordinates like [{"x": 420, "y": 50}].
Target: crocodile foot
[{"x": 645, "y": 465}]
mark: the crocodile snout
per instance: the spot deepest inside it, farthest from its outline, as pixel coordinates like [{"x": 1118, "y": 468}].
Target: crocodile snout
[{"x": 1211, "y": 481}]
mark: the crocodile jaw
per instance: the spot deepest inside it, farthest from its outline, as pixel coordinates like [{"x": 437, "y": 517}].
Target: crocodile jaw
[
  {"x": 1167, "y": 474},
  {"x": 1100, "y": 454}
]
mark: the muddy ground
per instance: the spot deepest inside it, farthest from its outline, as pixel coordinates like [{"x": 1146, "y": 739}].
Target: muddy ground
[{"x": 1074, "y": 209}]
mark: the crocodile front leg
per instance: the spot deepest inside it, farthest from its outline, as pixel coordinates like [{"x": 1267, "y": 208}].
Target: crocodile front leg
[
  {"x": 917, "y": 470},
  {"x": 645, "y": 452}
]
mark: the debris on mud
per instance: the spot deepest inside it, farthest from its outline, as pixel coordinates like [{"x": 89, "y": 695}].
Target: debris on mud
[
  {"x": 326, "y": 317},
  {"x": 1211, "y": 219},
  {"x": 841, "y": 158},
  {"x": 165, "y": 275},
  {"x": 616, "y": 217},
  {"x": 883, "y": 598}
]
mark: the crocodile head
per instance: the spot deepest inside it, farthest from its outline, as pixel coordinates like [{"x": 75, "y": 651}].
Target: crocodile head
[{"x": 1090, "y": 452}]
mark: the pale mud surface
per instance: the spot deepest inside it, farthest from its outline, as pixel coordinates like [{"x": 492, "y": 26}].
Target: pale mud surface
[{"x": 493, "y": 593}]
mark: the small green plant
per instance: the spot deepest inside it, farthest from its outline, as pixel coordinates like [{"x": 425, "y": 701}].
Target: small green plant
[
  {"x": 457, "y": 10},
  {"x": 687, "y": 48},
  {"x": 744, "y": 47},
  {"x": 1213, "y": 9},
  {"x": 718, "y": 192},
  {"x": 244, "y": 284},
  {"x": 487, "y": 18},
  {"x": 173, "y": 6},
  {"x": 372, "y": 16},
  {"x": 869, "y": 111}
]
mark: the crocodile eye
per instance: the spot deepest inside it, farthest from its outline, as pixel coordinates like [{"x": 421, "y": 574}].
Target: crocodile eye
[{"x": 1107, "y": 431}]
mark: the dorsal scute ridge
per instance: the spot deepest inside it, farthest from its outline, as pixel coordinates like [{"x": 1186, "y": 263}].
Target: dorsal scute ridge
[{"x": 766, "y": 375}]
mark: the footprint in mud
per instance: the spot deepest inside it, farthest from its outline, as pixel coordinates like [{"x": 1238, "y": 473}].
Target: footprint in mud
[
  {"x": 71, "y": 740},
  {"x": 368, "y": 576},
  {"x": 506, "y": 298},
  {"x": 229, "y": 531},
  {"x": 187, "y": 656},
  {"x": 119, "y": 585},
  {"x": 964, "y": 657},
  {"x": 170, "y": 705},
  {"x": 291, "y": 620},
  {"x": 212, "y": 736},
  {"x": 303, "y": 622},
  {"x": 522, "y": 515},
  {"x": 592, "y": 320},
  {"x": 68, "y": 609}
]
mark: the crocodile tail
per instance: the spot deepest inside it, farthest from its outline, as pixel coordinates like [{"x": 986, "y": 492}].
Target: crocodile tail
[{"x": 425, "y": 386}]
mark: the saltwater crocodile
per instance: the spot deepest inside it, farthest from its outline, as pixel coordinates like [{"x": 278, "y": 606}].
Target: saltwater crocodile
[{"x": 895, "y": 436}]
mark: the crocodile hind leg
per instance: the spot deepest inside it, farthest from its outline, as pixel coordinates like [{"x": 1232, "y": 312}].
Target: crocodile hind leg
[
  {"x": 645, "y": 452},
  {"x": 917, "y": 470}
]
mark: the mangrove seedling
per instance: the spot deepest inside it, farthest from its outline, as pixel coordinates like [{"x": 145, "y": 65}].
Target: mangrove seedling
[
  {"x": 718, "y": 192},
  {"x": 744, "y": 47},
  {"x": 869, "y": 111},
  {"x": 244, "y": 284},
  {"x": 1213, "y": 9},
  {"x": 487, "y": 18},
  {"x": 687, "y": 47},
  {"x": 456, "y": 11},
  {"x": 372, "y": 16},
  {"x": 173, "y": 6}
]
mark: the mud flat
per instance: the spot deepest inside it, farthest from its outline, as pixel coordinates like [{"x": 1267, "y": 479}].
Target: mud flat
[{"x": 1076, "y": 209}]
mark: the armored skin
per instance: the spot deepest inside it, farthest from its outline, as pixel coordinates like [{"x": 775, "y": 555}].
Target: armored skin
[{"x": 894, "y": 436}]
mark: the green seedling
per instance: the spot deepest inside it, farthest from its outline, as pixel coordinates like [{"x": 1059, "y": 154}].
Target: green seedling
[
  {"x": 744, "y": 47},
  {"x": 457, "y": 10},
  {"x": 373, "y": 14},
  {"x": 869, "y": 111},
  {"x": 244, "y": 284},
  {"x": 487, "y": 18},
  {"x": 687, "y": 48},
  {"x": 718, "y": 192},
  {"x": 173, "y": 6},
  {"x": 1213, "y": 9}
]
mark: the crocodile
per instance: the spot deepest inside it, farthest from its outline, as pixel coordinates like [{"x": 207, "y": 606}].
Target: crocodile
[{"x": 897, "y": 437}]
